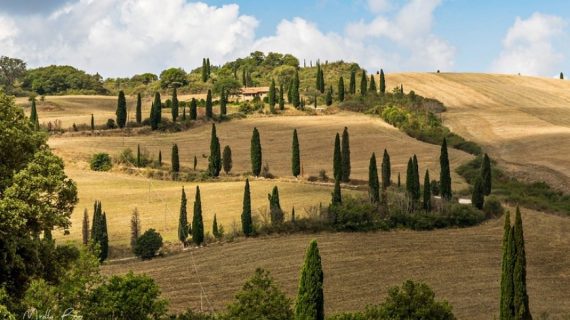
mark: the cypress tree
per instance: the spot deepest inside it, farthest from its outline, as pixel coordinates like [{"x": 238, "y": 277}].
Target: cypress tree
[
  {"x": 322, "y": 78},
  {"x": 272, "y": 95},
  {"x": 246, "y": 220},
  {"x": 445, "y": 173},
  {"x": 139, "y": 162},
  {"x": 135, "y": 228},
  {"x": 215, "y": 230},
  {"x": 295, "y": 155},
  {"x": 417, "y": 187},
  {"x": 363, "y": 84},
  {"x": 139, "y": 109},
  {"x": 34, "y": 119},
  {"x": 382, "y": 82},
  {"x": 277, "y": 216},
  {"x": 92, "y": 123},
  {"x": 121, "y": 111},
  {"x": 310, "y": 298},
  {"x": 329, "y": 96},
  {"x": 255, "y": 153},
  {"x": 341, "y": 89},
  {"x": 175, "y": 161},
  {"x": 227, "y": 159},
  {"x": 290, "y": 91},
  {"x": 104, "y": 240},
  {"x": 386, "y": 170},
  {"x": 372, "y": 87},
  {"x": 315, "y": 101},
  {"x": 507, "y": 267},
  {"x": 281, "y": 98},
  {"x": 85, "y": 227},
  {"x": 373, "y": 183},
  {"x": 183, "y": 220},
  {"x": 243, "y": 78},
  {"x": 345, "y": 153},
  {"x": 96, "y": 221},
  {"x": 295, "y": 97},
  {"x": 561, "y": 76},
  {"x": 352, "y": 84},
  {"x": 156, "y": 112},
  {"x": 478, "y": 197},
  {"x": 293, "y": 215},
  {"x": 337, "y": 159},
  {"x": 223, "y": 102},
  {"x": 336, "y": 195},
  {"x": 399, "y": 181},
  {"x": 318, "y": 78},
  {"x": 174, "y": 107},
  {"x": 204, "y": 70},
  {"x": 193, "y": 111},
  {"x": 159, "y": 158},
  {"x": 197, "y": 222},
  {"x": 209, "y": 112},
  {"x": 486, "y": 175},
  {"x": 195, "y": 162},
  {"x": 427, "y": 192},
  {"x": 520, "y": 300},
  {"x": 215, "y": 159},
  {"x": 410, "y": 183},
  {"x": 208, "y": 68}
]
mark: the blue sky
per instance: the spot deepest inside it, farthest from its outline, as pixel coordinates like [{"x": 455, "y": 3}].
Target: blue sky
[{"x": 123, "y": 37}]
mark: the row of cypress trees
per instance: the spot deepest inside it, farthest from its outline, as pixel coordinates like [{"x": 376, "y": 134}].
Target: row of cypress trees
[
  {"x": 99, "y": 234},
  {"x": 196, "y": 228},
  {"x": 341, "y": 157},
  {"x": 205, "y": 69}
]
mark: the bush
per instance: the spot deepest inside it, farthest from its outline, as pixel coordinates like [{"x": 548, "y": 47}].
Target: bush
[
  {"x": 354, "y": 214},
  {"x": 101, "y": 162},
  {"x": 451, "y": 215},
  {"x": 110, "y": 124},
  {"x": 493, "y": 207},
  {"x": 148, "y": 244}
]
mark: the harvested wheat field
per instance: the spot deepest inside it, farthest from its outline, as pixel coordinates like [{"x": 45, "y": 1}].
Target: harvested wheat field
[
  {"x": 524, "y": 122},
  {"x": 461, "y": 265},
  {"x": 316, "y": 137}
]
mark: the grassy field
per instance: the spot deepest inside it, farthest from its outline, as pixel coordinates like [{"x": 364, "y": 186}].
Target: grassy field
[
  {"x": 524, "y": 122},
  {"x": 461, "y": 265}
]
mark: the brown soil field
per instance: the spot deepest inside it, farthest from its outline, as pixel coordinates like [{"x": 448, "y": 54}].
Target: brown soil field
[
  {"x": 523, "y": 122},
  {"x": 463, "y": 266}
]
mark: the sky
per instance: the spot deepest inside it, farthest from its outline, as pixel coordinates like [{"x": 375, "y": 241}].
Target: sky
[{"x": 126, "y": 37}]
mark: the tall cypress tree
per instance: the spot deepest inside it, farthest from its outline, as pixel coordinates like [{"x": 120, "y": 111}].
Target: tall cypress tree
[
  {"x": 85, "y": 227},
  {"x": 373, "y": 183},
  {"x": 193, "y": 109},
  {"x": 215, "y": 159},
  {"x": 345, "y": 153},
  {"x": 204, "y": 70},
  {"x": 520, "y": 300},
  {"x": 104, "y": 240},
  {"x": 281, "y": 98},
  {"x": 478, "y": 197},
  {"x": 208, "y": 68},
  {"x": 175, "y": 161},
  {"x": 322, "y": 78},
  {"x": 410, "y": 183},
  {"x": 183, "y": 219},
  {"x": 246, "y": 220},
  {"x": 341, "y": 89},
  {"x": 243, "y": 78},
  {"x": 290, "y": 91},
  {"x": 139, "y": 109},
  {"x": 372, "y": 87},
  {"x": 382, "y": 82},
  {"x": 277, "y": 216},
  {"x": 223, "y": 102},
  {"x": 215, "y": 229},
  {"x": 121, "y": 111},
  {"x": 34, "y": 115},
  {"x": 486, "y": 175},
  {"x": 427, "y": 192},
  {"x": 417, "y": 187},
  {"x": 507, "y": 307},
  {"x": 174, "y": 106},
  {"x": 96, "y": 222},
  {"x": 197, "y": 222},
  {"x": 337, "y": 159},
  {"x": 255, "y": 153},
  {"x": 209, "y": 112},
  {"x": 363, "y": 83},
  {"x": 295, "y": 97},
  {"x": 310, "y": 298},
  {"x": 352, "y": 84},
  {"x": 227, "y": 159},
  {"x": 386, "y": 170},
  {"x": 336, "y": 195},
  {"x": 159, "y": 158},
  {"x": 445, "y": 173},
  {"x": 92, "y": 123},
  {"x": 399, "y": 181},
  {"x": 156, "y": 112},
  {"x": 329, "y": 96},
  {"x": 295, "y": 155},
  {"x": 272, "y": 95},
  {"x": 318, "y": 77},
  {"x": 561, "y": 76}
]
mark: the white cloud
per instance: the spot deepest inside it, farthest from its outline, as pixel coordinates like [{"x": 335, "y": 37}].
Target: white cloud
[
  {"x": 377, "y": 6},
  {"x": 529, "y": 46}
]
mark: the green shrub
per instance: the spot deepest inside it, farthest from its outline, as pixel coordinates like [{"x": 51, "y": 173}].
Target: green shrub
[
  {"x": 354, "y": 214},
  {"x": 148, "y": 244},
  {"x": 101, "y": 162},
  {"x": 110, "y": 124},
  {"x": 493, "y": 207}
]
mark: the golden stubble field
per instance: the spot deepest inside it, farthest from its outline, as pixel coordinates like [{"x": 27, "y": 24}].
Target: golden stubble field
[
  {"x": 463, "y": 266},
  {"x": 524, "y": 122}
]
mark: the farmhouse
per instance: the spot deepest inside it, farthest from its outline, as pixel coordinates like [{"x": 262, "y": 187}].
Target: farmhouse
[{"x": 248, "y": 93}]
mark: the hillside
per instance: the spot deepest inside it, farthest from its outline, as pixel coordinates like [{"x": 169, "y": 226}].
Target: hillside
[{"x": 523, "y": 122}]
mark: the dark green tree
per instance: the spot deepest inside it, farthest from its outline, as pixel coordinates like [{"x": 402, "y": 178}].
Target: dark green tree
[
  {"x": 204, "y": 70},
  {"x": 345, "y": 153},
  {"x": 445, "y": 173},
  {"x": 417, "y": 186},
  {"x": 92, "y": 123},
  {"x": 175, "y": 161},
  {"x": 208, "y": 68},
  {"x": 561, "y": 76},
  {"x": 336, "y": 195},
  {"x": 427, "y": 192},
  {"x": 246, "y": 220},
  {"x": 197, "y": 222},
  {"x": 290, "y": 91},
  {"x": 382, "y": 82},
  {"x": 486, "y": 175},
  {"x": 277, "y": 216},
  {"x": 193, "y": 109},
  {"x": 410, "y": 183},
  {"x": 195, "y": 162},
  {"x": 373, "y": 183},
  {"x": 372, "y": 87},
  {"x": 296, "y": 155},
  {"x": 34, "y": 119},
  {"x": 386, "y": 170},
  {"x": 352, "y": 84},
  {"x": 121, "y": 112},
  {"x": 243, "y": 77},
  {"x": 227, "y": 159},
  {"x": 337, "y": 158},
  {"x": 209, "y": 112},
  {"x": 159, "y": 158},
  {"x": 139, "y": 109},
  {"x": 215, "y": 158},
  {"x": 272, "y": 95},
  {"x": 104, "y": 240},
  {"x": 255, "y": 153},
  {"x": 310, "y": 298},
  {"x": 341, "y": 89},
  {"x": 183, "y": 220},
  {"x": 363, "y": 84},
  {"x": 399, "y": 181},
  {"x": 175, "y": 105},
  {"x": 148, "y": 244},
  {"x": 223, "y": 102},
  {"x": 215, "y": 230},
  {"x": 295, "y": 97},
  {"x": 520, "y": 299},
  {"x": 322, "y": 79},
  {"x": 281, "y": 98},
  {"x": 329, "y": 96},
  {"x": 478, "y": 196},
  {"x": 507, "y": 308},
  {"x": 156, "y": 112}
]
